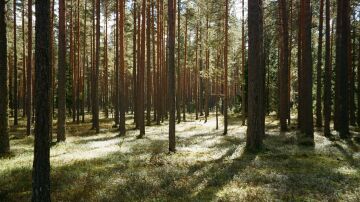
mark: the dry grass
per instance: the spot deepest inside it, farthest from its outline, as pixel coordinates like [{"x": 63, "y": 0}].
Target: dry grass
[{"x": 207, "y": 166}]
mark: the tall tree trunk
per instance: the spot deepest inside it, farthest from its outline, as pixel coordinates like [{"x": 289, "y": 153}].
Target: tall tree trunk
[
  {"x": 96, "y": 71},
  {"x": 305, "y": 93},
  {"x": 226, "y": 67},
  {"x": 23, "y": 59},
  {"x": 243, "y": 96},
  {"x": 328, "y": 72},
  {"x": 4, "y": 132},
  {"x": 62, "y": 73},
  {"x": 116, "y": 99},
  {"x": 178, "y": 91},
  {"x": 84, "y": 64},
  {"x": 171, "y": 73},
  {"x": 52, "y": 73},
  {"x": 358, "y": 82},
  {"x": 342, "y": 50},
  {"x": 141, "y": 72},
  {"x": 106, "y": 74},
  {"x": 256, "y": 87},
  {"x": 207, "y": 83},
  {"x": 299, "y": 64},
  {"x": 15, "y": 102},
  {"x": 78, "y": 66},
  {"x": 148, "y": 64},
  {"x": 284, "y": 66},
  {"x": 29, "y": 71},
  {"x": 41, "y": 166},
  {"x": 196, "y": 85},
  {"x": 72, "y": 66},
  {"x": 318, "y": 69},
  {"x": 184, "y": 97},
  {"x": 351, "y": 73},
  {"x": 122, "y": 69}
]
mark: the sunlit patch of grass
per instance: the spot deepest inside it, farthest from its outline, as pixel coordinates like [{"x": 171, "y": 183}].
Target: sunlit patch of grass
[{"x": 207, "y": 166}]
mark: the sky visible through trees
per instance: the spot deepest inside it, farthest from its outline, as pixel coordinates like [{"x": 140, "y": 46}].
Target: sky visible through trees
[{"x": 179, "y": 100}]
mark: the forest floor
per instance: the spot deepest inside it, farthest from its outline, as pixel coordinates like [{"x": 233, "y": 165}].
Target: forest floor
[{"x": 206, "y": 167}]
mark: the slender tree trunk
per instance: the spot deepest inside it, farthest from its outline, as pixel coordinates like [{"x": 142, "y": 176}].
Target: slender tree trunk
[
  {"x": 358, "y": 82},
  {"x": 41, "y": 165},
  {"x": 96, "y": 69},
  {"x": 351, "y": 74},
  {"x": 256, "y": 87},
  {"x": 148, "y": 64},
  {"x": 122, "y": 69},
  {"x": 284, "y": 66},
  {"x": 78, "y": 66},
  {"x": 328, "y": 72},
  {"x": 207, "y": 54},
  {"x": 84, "y": 64},
  {"x": 116, "y": 99},
  {"x": 243, "y": 97},
  {"x": 141, "y": 72},
  {"x": 184, "y": 97},
  {"x": 178, "y": 94},
  {"x": 226, "y": 68},
  {"x": 23, "y": 59},
  {"x": 4, "y": 131},
  {"x": 29, "y": 71},
  {"x": 72, "y": 66},
  {"x": 342, "y": 50},
  {"x": 106, "y": 74},
  {"x": 62, "y": 73},
  {"x": 52, "y": 73},
  {"x": 196, "y": 85},
  {"x": 171, "y": 73},
  {"x": 318, "y": 71},
  {"x": 15, "y": 102},
  {"x": 299, "y": 60},
  {"x": 153, "y": 57}
]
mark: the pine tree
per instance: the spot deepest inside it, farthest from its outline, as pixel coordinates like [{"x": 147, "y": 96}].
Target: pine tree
[
  {"x": 41, "y": 165},
  {"x": 318, "y": 69},
  {"x": 256, "y": 114},
  {"x": 61, "y": 124},
  {"x": 4, "y": 132},
  {"x": 171, "y": 73},
  {"x": 305, "y": 77},
  {"x": 284, "y": 66},
  {"x": 342, "y": 65},
  {"x": 328, "y": 72},
  {"x": 29, "y": 71}
]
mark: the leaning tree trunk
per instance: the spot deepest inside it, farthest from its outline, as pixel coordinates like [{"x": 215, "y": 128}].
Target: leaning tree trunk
[{"x": 41, "y": 166}]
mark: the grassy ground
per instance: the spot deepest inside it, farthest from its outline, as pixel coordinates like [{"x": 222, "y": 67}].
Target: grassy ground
[{"x": 207, "y": 167}]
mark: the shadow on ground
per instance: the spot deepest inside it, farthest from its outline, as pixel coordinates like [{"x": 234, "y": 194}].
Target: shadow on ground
[{"x": 207, "y": 166}]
